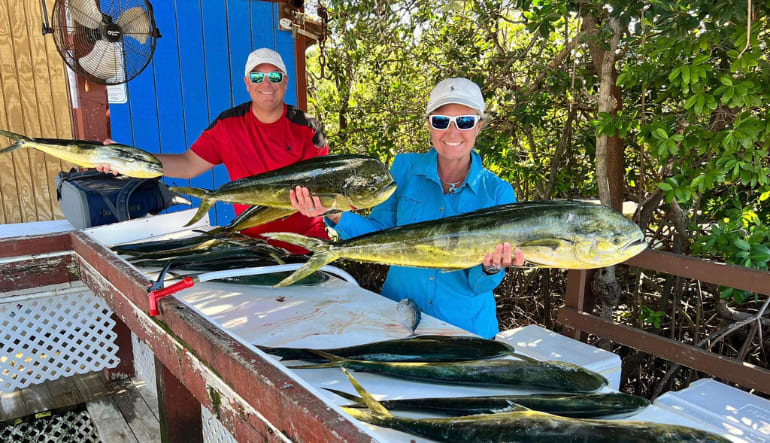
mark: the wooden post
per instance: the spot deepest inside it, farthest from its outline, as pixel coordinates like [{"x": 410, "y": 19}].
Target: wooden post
[
  {"x": 180, "y": 412},
  {"x": 579, "y": 297},
  {"x": 125, "y": 368},
  {"x": 91, "y": 117}
]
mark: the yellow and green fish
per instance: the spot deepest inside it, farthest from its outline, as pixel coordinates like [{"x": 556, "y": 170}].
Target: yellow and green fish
[{"x": 125, "y": 159}]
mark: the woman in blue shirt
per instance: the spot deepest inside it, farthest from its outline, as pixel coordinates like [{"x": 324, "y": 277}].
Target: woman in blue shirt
[{"x": 448, "y": 180}]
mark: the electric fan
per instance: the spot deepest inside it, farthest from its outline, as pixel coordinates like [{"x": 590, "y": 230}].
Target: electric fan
[{"x": 108, "y": 41}]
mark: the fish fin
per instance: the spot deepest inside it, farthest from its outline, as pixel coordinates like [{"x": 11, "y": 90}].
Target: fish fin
[
  {"x": 550, "y": 243},
  {"x": 360, "y": 414},
  {"x": 345, "y": 395},
  {"x": 374, "y": 406},
  {"x": 310, "y": 243},
  {"x": 18, "y": 138},
  {"x": 532, "y": 265}
]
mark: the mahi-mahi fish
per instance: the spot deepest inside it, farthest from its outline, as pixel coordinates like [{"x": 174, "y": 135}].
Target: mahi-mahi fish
[
  {"x": 422, "y": 348},
  {"x": 342, "y": 182},
  {"x": 525, "y": 425},
  {"x": 550, "y": 375},
  {"x": 560, "y": 234},
  {"x": 127, "y": 160},
  {"x": 566, "y": 405}
]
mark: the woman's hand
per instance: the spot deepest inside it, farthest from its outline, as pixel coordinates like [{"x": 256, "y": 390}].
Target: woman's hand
[
  {"x": 308, "y": 205},
  {"x": 105, "y": 168},
  {"x": 502, "y": 258}
]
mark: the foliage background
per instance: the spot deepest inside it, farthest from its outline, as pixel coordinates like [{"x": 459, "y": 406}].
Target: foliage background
[{"x": 689, "y": 91}]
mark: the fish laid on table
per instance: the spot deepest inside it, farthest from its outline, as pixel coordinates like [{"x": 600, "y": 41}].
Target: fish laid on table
[
  {"x": 201, "y": 242},
  {"x": 342, "y": 182},
  {"x": 522, "y": 425},
  {"x": 205, "y": 242},
  {"x": 127, "y": 160},
  {"x": 551, "y": 375},
  {"x": 560, "y": 234},
  {"x": 565, "y": 405},
  {"x": 262, "y": 253},
  {"x": 424, "y": 348}
]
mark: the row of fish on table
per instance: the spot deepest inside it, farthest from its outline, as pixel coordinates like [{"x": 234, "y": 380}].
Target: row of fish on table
[
  {"x": 571, "y": 412},
  {"x": 561, "y": 234}
]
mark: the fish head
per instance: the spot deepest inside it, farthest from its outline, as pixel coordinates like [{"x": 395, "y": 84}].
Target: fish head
[
  {"x": 154, "y": 169},
  {"x": 408, "y": 314},
  {"x": 605, "y": 238},
  {"x": 371, "y": 188}
]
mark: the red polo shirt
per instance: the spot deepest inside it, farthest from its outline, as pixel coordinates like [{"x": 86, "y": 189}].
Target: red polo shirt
[{"x": 247, "y": 147}]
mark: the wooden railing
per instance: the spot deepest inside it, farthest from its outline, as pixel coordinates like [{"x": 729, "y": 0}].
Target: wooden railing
[{"x": 576, "y": 316}]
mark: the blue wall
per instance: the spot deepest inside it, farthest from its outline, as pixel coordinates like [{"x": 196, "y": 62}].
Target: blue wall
[{"x": 196, "y": 73}]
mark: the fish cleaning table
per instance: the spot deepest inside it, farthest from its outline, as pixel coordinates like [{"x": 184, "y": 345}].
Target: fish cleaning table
[{"x": 206, "y": 336}]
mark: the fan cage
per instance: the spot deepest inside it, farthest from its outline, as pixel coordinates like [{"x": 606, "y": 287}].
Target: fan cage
[{"x": 75, "y": 42}]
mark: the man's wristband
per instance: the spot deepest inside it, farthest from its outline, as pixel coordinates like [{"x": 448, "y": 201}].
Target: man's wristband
[{"x": 490, "y": 270}]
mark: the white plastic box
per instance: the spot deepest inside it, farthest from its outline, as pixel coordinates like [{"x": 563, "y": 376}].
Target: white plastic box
[
  {"x": 742, "y": 417},
  {"x": 542, "y": 344}
]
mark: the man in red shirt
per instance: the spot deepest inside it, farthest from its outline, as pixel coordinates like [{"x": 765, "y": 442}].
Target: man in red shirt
[{"x": 255, "y": 137}]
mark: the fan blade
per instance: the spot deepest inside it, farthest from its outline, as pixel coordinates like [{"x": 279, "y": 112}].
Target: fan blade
[
  {"x": 135, "y": 23},
  {"x": 86, "y": 13},
  {"x": 104, "y": 61}
]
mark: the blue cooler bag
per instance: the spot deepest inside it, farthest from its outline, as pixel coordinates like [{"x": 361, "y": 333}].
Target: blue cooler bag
[{"x": 93, "y": 198}]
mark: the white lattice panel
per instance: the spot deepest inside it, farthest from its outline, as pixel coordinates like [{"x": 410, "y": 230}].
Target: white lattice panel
[
  {"x": 48, "y": 337},
  {"x": 144, "y": 364},
  {"x": 213, "y": 429}
]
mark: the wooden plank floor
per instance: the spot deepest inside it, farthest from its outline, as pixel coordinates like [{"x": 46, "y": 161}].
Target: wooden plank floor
[
  {"x": 122, "y": 411},
  {"x": 61, "y": 393}
]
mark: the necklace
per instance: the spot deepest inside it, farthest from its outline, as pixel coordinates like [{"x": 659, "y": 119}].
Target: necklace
[{"x": 452, "y": 186}]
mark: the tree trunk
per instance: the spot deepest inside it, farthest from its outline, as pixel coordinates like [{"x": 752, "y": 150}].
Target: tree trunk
[{"x": 609, "y": 150}]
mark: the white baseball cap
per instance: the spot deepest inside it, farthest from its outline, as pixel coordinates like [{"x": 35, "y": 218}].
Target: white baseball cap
[
  {"x": 264, "y": 55},
  {"x": 456, "y": 90}
]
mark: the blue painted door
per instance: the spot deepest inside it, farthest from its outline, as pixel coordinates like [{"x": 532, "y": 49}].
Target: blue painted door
[{"x": 195, "y": 74}]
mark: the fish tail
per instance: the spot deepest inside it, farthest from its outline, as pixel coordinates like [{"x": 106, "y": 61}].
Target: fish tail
[
  {"x": 206, "y": 200},
  {"x": 216, "y": 231},
  {"x": 335, "y": 361},
  {"x": 310, "y": 243},
  {"x": 316, "y": 262},
  {"x": 345, "y": 395},
  {"x": 374, "y": 406},
  {"x": 321, "y": 254},
  {"x": 18, "y": 138},
  {"x": 202, "y": 210}
]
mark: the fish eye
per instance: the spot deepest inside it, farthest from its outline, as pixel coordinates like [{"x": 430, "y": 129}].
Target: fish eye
[
  {"x": 372, "y": 188},
  {"x": 616, "y": 240}
]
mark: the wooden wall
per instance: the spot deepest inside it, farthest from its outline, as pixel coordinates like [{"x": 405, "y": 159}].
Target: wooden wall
[
  {"x": 195, "y": 74},
  {"x": 34, "y": 101}
]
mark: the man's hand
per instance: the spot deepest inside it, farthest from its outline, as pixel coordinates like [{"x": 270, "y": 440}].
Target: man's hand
[
  {"x": 105, "y": 168},
  {"x": 502, "y": 258}
]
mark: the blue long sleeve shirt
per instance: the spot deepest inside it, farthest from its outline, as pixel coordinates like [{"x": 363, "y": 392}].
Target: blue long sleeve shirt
[{"x": 463, "y": 298}]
